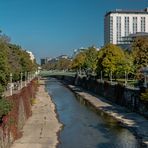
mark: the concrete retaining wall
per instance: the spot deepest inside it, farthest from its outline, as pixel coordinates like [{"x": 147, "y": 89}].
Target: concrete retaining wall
[{"x": 119, "y": 94}]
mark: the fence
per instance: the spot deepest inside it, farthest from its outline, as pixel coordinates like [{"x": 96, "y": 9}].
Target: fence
[{"x": 14, "y": 87}]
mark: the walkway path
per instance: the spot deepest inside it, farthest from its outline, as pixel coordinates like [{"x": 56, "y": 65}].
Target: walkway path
[
  {"x": 131, "y": 120},
  {"x": 40, "y": 130}
]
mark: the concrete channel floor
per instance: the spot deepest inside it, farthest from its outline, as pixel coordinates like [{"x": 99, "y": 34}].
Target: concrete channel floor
[
  {"x": 40, "y": 130},
  {"x": 133, "y": 121}
]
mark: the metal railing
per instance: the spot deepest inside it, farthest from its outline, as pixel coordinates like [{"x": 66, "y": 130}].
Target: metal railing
[{"x": 14, "y": 87}]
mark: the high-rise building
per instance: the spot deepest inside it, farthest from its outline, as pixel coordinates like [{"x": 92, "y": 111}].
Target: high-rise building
[{"x": 119, "y": 24}]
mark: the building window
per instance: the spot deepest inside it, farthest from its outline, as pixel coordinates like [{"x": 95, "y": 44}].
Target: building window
[
  {"x": 142, "y": 24},
  {"x": 126, "y": 26},
  {"x": 118, "y": 21},
  {"x": 111, "y": 29},
  {"x": 134, "y": 24}
]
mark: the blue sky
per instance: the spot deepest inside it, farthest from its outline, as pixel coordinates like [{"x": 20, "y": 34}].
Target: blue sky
[{"x": 50, "y": 28}]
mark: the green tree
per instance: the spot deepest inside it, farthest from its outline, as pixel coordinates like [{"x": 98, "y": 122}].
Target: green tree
[
  {"x": 90, "y": 62},
  {"x": 19, "y": 61},
  {"x": 110, "y": 58},
  {"x": 126, "y": 65},
  {"x": 4, "y": 65},
  {"x": 14, "y": 61}
]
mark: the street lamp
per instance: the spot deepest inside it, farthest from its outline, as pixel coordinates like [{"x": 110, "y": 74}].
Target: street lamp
[
  {"x": 145, "y": 72},
  {"x": 101, "y": 76},
  {"x": 25, "y": 78},
  {"x": 125, "y": 78},
  {"x": 11, "y": 84},
  {"x": 111, "y": 77},
  {"x": 21, "y": 79}
]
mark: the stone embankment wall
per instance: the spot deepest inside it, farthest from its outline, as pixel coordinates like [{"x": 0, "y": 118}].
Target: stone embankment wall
[
  {"x": 11, "y": 124},
  {"x": 119, "y": 94}
]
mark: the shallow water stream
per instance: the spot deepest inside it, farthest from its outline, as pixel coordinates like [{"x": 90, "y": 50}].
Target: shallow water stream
[{"x": 83, "y": 128}]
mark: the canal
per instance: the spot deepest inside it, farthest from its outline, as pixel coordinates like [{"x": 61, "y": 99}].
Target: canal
[{"x": 83, "y": 128}]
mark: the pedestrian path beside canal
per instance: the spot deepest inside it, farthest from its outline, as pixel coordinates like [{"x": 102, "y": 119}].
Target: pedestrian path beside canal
[{"x": 40, "y": 131}]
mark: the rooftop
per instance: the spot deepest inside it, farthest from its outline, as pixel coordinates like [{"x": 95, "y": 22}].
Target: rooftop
[
  {"x": 139, "y": 34},
  {"x": 145, "y": 11}
]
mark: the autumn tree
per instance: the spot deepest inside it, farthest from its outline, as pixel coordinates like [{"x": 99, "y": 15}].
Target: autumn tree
[
  {"x": 63, "y": 64},
  {"x": 78, "y": 61},
  {"x": 140, "y": 52},
  {"x": 60, "y": 64}
]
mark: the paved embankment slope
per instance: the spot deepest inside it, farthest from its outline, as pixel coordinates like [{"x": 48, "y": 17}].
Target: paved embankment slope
[
  {"x": 131, "y": 120},
  {"x": 40, "y": 131}
]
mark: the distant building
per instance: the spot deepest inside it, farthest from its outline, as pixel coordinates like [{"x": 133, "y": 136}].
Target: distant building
[
  {"x": 44, "y": 61},
  {"x": 53, "y": 60},
  {"x": 76, "y": 51},
  {"x": 127, "y": 40},
  {"x": 63, "y": 57},
  {"x": 119, "y": 24}
]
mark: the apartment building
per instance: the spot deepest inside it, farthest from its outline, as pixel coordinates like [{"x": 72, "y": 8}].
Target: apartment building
[{"x": 119, "y": 24}]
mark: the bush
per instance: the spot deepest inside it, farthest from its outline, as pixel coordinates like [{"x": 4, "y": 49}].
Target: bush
[
  {"x": 144, "y": 96},
  {"x": 5, "y": 107},
  {"x": 1, "y": 90}
]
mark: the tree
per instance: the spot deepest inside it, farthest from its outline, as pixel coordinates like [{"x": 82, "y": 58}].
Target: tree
[
  {"x": 4, "y": 64},
  {"x": 144, "y": 95},
  {"x": 78, "y": 61},
  {"x": 110, "y": 58},
  {"x": 126, "y": 65},
  {"x": 63, "y": 64},
  {"x": 12, "y": 60},
  {"x": 4, "y": 38},
  {"x": 90, "y": 62},
  {"x": 19, "y": 61},
  {"x": 140, "y": 52}
]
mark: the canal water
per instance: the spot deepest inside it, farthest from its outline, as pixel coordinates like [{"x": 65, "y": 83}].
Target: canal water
[{"x": 83, "y": 128}]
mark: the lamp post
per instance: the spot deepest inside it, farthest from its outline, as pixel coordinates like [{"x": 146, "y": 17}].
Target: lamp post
[
  {"x": 101, "y": 76},
  {"x": 125, "y": 78},
  {"x": 25, "y": 78},
  {"x": 145, "y": 80},
  {"x": 11, "y": 84},
  {"x": 21, "y": 79},
  {"x": 145, "y": 73},
  {"x": 111, "y": 77},
  {"x": 28, "y": 77}
]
